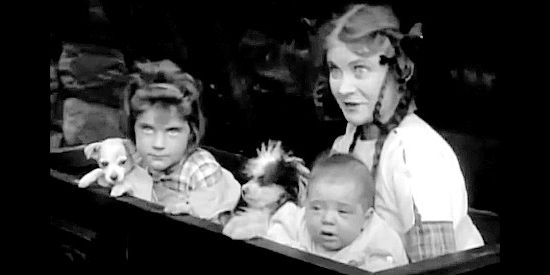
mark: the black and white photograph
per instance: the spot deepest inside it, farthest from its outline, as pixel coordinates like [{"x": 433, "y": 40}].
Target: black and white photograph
[{"x": 276, "y": 136}]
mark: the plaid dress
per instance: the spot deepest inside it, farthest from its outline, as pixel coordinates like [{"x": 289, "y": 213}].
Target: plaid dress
[
  {"x": 201, "y": 181},
  {"x": 429, "y": 239}
]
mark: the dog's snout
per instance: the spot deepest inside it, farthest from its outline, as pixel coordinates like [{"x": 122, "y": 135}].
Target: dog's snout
[{"x": 114, "y": 177}]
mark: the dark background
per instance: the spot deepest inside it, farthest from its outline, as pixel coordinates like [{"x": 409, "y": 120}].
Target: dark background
[{"x": 459, "y": 51}]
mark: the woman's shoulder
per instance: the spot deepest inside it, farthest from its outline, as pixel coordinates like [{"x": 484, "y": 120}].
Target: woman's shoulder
[
  {"x": 417, "y": 145},
  {"x": 412, "y": 125},
  {"x": 416, "y": 134},
  {"x": 422, "y": 151}
]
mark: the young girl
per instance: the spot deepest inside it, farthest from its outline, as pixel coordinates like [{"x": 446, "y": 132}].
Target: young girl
[
  {"x": 166, "y": 125},
  {"x": 420, "y": 190},
  {"x": 338, "y": 220}
]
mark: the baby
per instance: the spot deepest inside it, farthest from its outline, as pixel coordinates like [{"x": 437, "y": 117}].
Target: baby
[{"x": 338, "y": 220}]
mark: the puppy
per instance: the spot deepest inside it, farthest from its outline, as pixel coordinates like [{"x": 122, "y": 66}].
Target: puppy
[
  {"x": 117, "y": 169},
  {"x": 276, "y": 178}
]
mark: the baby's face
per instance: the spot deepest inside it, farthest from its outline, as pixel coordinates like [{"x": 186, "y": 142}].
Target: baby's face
[{"x": 334, "y": 215}]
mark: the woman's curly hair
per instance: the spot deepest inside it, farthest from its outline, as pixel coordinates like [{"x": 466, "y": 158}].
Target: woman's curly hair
[{"x": 365, "y": 30}]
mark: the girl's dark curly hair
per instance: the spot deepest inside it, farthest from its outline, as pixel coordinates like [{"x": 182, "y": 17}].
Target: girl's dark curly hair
[{"x": 163, "y": 83}]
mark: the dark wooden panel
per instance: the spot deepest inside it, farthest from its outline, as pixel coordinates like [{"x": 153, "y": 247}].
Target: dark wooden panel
[
  {"x": 136, "y": 232},
  {"x": 133, "y": 231},
  {"x": 455, "y": 263}
]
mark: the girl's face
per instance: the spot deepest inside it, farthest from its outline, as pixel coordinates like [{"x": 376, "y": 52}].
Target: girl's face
[
  {"x": 356, "y": 81},
  {"x": 334, "y": 212},
  {"x": 161, "y": 136}
]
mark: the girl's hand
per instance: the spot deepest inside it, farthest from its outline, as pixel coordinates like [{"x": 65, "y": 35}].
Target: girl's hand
[
  {"x": 119, "y": 189},
  {"x": 357, "y": 263}
]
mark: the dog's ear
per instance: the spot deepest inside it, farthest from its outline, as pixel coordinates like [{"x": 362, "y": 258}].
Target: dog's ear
[{"x": 92, "y": 150}]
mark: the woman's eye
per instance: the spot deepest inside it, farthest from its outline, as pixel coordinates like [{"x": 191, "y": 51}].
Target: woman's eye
[
  {"x": 335, "y": 72},
  {"x": 360, "y": 71}
]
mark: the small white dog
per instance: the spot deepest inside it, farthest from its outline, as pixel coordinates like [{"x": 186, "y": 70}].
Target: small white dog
[
  {"x": 117, "y": 169},
  {"x": 276, "y": 178}
]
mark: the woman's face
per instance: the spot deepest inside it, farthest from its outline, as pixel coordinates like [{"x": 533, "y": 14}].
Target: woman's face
[{"x": 356, "y": 81}]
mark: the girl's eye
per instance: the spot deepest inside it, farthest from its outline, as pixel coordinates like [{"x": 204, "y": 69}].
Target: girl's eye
[
  {"x": 173, "y": 132},
  {"x": 147, "y": 130}
]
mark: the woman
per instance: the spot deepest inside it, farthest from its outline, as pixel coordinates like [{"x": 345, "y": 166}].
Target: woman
[{"x": 420, "y": 189}]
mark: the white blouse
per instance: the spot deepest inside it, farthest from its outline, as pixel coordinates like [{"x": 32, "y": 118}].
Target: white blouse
[{"x": 417, "y": 167}]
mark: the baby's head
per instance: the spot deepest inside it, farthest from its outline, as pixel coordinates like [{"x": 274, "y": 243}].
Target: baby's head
[
  {"x": 340, "y": 198},
  {"x": 165, "y": 119}
]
